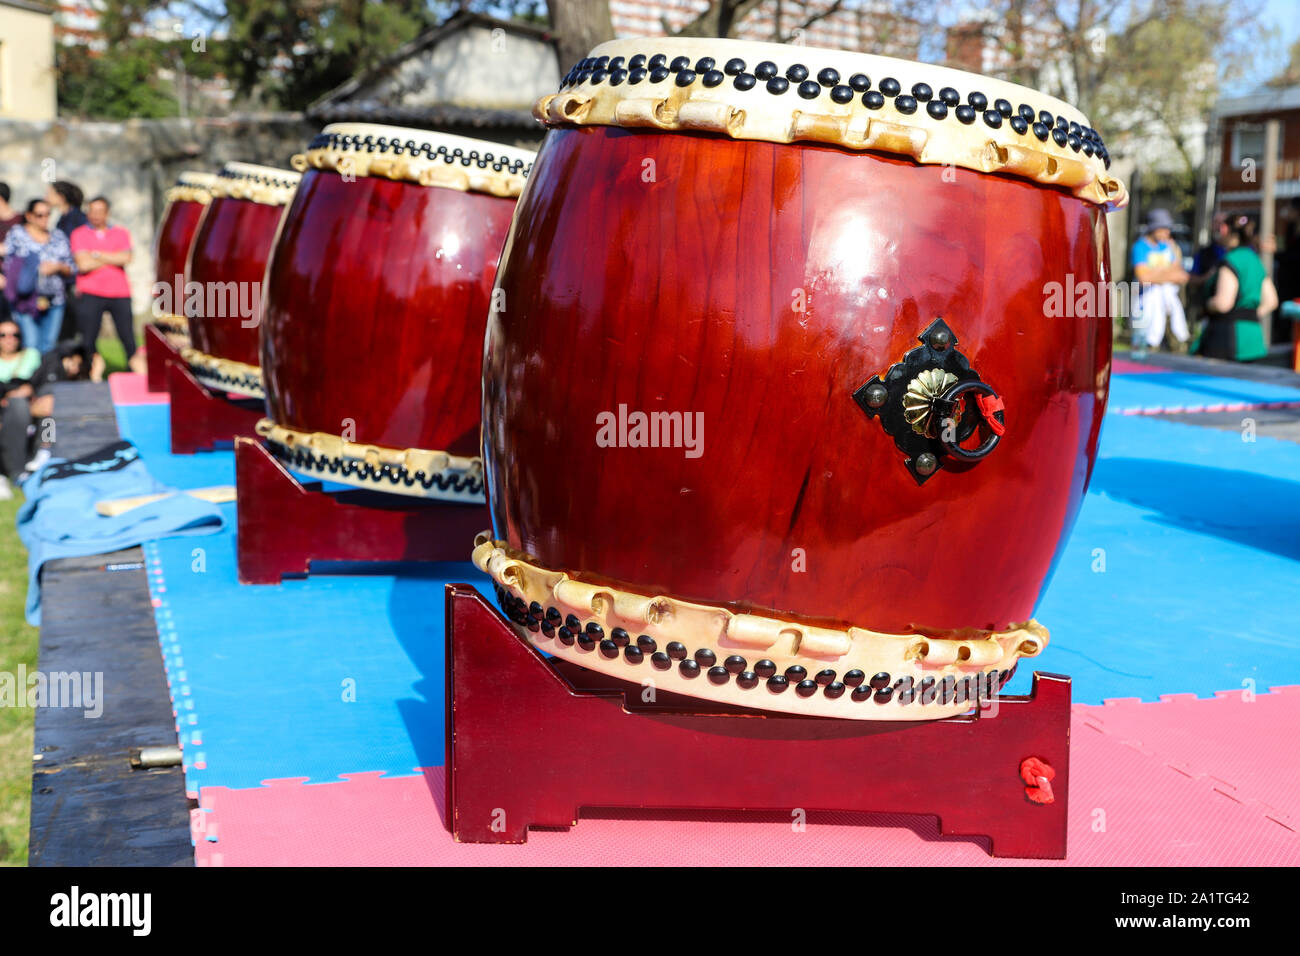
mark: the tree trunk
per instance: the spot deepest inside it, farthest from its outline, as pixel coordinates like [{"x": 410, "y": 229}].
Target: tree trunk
[{"x": 578, "y": 26}]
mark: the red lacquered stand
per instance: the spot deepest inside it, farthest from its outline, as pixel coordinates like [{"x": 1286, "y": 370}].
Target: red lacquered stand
[
  {"x": 201, "y": 418},
  {"x": 159, "y": 353},
  {"x": 529, "y": 743},
  {"x": 284, "y": 525}
]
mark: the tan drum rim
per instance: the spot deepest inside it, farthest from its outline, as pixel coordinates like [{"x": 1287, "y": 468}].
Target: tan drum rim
[
  {"x": 933, "y": 115},
  {"x": 260, "y": 184},
  {"x": 418, "y": 156},
  {"x": 414, "y": 472},
  {"x": 853, "y": 673},
  {"x": 192, "y": 186},
  {"x": 225, "y": 375}
]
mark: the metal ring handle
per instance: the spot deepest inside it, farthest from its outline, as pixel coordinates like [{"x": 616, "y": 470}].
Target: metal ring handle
[{"x": 956, "y": 394}]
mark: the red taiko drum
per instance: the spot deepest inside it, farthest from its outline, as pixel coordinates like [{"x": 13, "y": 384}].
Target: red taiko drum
[
  {"x": 379, "y": 290},
  {"x": 186, "y": 202},
  {"x": 775, "y": 413},
  {"x": 227, "y": 269}
]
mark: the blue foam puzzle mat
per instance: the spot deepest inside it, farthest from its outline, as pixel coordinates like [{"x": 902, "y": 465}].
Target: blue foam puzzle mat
[{"x": 1187, "y": 390}]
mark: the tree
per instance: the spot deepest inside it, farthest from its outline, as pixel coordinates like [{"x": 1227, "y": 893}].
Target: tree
[{"x": 120, "y": 86}]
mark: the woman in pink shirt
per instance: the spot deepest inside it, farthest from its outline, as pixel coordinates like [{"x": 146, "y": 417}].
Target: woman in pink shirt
[{"x": 102, "y": 253}]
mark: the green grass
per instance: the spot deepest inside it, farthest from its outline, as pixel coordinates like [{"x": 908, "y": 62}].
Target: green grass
[{"x": 18, "y": 644}]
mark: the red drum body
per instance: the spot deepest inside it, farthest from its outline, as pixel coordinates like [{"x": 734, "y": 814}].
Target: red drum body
[
  {"x": 792, "y": 418},
  {"x": 186, "y": 202},
  {"x": 227, "y": 269},
  {"x": 374, "y": 315}
]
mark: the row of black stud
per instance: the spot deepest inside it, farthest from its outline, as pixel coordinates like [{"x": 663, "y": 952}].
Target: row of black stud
[
  {"x": 297, "y": 457},
  {"x": 264, "y": 179},
  {"x": 1023, "y": 120},
  {"x": 398, "y": 147},
  {"x": 569, "y": 630}
]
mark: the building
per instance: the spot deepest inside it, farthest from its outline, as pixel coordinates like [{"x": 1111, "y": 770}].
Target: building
[
  {"x": 472, "y": 76},
  {"x": 76, "y": 23},
  {"x": 1238, "y": 144},
  {"x": 27, "y": 78},
  {"x": 864, "y": 26}
]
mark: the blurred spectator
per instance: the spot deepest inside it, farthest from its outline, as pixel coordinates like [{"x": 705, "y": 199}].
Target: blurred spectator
[
  {"x": 1239, "y": 294},
  {"x": 1157, "y": 262},
  {"x": 17, "y": 366},
  {"x": 8, "y": 218},
  {"x": 102, "y": 252},
  {"x": 65, "y": 199},
  {"x": 36, "y": 260}
]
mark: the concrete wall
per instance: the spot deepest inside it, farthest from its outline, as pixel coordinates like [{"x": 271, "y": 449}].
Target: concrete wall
[
  {"x": 494, "y": 69},
  {"x": 27, "y": 89},
  {"x": 133, "y": 163}
]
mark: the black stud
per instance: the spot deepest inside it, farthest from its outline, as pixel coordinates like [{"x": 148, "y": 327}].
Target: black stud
[
  {"x": 633, "y": 655},
  {"x": 745, "y": 81},
  {"x": 734, "y": 67},
  {"x": 677, "y": 651},
  {"x": 795, "y": 673},
  {"x": 685, "y": 77},
  {"x": 778, "y": 85},
  {"x": 880, "y": 680},
  {"x": 993, "y": 118},
  {"x": 765, "y": 668},
  {"x": 531, "y": 624},
  {"x": 841, "y": 94},
  {"x": 1003, "y": 106},
  {"x": 647, "y": 643},
  {"x": 890, "y": 86},
  {"x": 548, "y": 629},
  {"x": 765, "y": 70},
  {"x": 601, "y": 63},
  {"x": 776, "y": 684},
  {"x": 809, "y": 90},
  {"x": 566, "y": 636},
  {"x": 1046, "y": 118},
  {"x": 586, "y": 641},
  {"x": 657, "y": 61},
  {"x": 806, "y": 688},
  {"x": 661, "y": 661},
  {"x": 637, "y": 75},
  {"x": 977, "y": 100},
  {"x": 595, "y": 630},
  {"x": 863, "y": 692},
  {"x": 949, "y": 97},
  {"x": 1087, "y": 148},
  {"x": 615, "y": 64},
  {"x": 712, "y": 78},
  {"x": 597, "y": 76},
  {"x": 572, "y": 623},
  {"x": 854, "y": 677},
  {"x": 616, "y": 77},
  {"x": 927, "y": 691},
  {"x": 797, "y": 73},
  {"x": 1075, "y": 143},
  {"x": 884, "y": 695},
  {"x": 905, "y": 104},
  {"x": 903, "y": 690},
  {"x": 704, "y": 64},
  {"x": 1063, "y": 123},
  {"x": 1041, "y": 131},
  {"x": 873, "y": 100},
  {"x": 825, "y": 677},
  {"x": 636, "y": 62},
  {"x": 1076, "y": 130},
  {"x": 966, "y": 114},
  {"x": 620, "y": 637},
  {"x": 1026, "y": 113},
  {"x": 688, "y": 669},
  {"x": 936, "y": 109},
  {"x": 828, "y": 76},
  {"x": 706, "y": 657},
  {"x": 735, "y": 663},
  {"x": 860, "y": 82},
  {"x": 747, "y": 680},
  {"x": 834, "y": 690},
  {"x": 718, "y": 675},
  {"x": 659, "y": 74},
  {"x": 1019, "y": 125},
  {"x": 608, "y": 649},
  {"x": 1060, "y": 136},
  {"x": 922, "y": 92}
]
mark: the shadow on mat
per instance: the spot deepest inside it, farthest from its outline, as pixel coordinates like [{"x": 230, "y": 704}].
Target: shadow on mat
[{"x": 1255, "y": 510}]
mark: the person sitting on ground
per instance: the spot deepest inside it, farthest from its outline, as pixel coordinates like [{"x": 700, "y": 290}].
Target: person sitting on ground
[
  {"x": 1241, "y": 292},
  {"x": 1158, "y": 265},
  {"x": 17, "y": 366},
  {"x": 103, "y": 251}
]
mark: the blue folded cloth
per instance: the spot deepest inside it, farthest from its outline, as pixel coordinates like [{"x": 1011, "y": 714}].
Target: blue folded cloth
[{"x": 59, "y": 520}]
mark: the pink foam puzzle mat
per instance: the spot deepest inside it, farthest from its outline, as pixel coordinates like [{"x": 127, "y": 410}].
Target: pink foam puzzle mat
[
  {"x": 1121, "y": 366},
  {"x": 128, "y": 388},
  {"x": 1181, "y": 782}
]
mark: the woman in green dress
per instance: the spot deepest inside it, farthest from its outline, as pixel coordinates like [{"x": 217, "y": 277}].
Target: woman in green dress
[{"x": 1239, "y": 293}]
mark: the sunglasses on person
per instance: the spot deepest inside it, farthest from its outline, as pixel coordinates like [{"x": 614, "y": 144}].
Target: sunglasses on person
[
  {"x": 40, "y": 215},
  {"x": 8, "y": 335}
]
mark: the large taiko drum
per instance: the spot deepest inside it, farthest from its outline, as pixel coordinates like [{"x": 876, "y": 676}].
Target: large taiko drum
[
  {"x": 227, "y": 268},
  {"x": 186, "y": 202},
  {"x": 776, "y": 414},
  {"x": 377, "y": 298}
]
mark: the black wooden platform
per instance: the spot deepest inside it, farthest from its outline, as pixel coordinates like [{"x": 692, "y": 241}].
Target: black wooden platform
[{"x": 89, "y": 808}]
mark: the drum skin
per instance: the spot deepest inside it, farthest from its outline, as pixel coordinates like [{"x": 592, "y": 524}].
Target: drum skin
[
  {"x": 375, "y": 311},
  {"x": 175, "y": 232},
  {"x": 679, "y": 294},
  {"x": 232, "y": 245}
]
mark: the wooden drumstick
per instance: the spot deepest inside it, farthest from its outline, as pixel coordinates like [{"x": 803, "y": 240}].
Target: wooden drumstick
[{"x": 218, "y": 494}]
